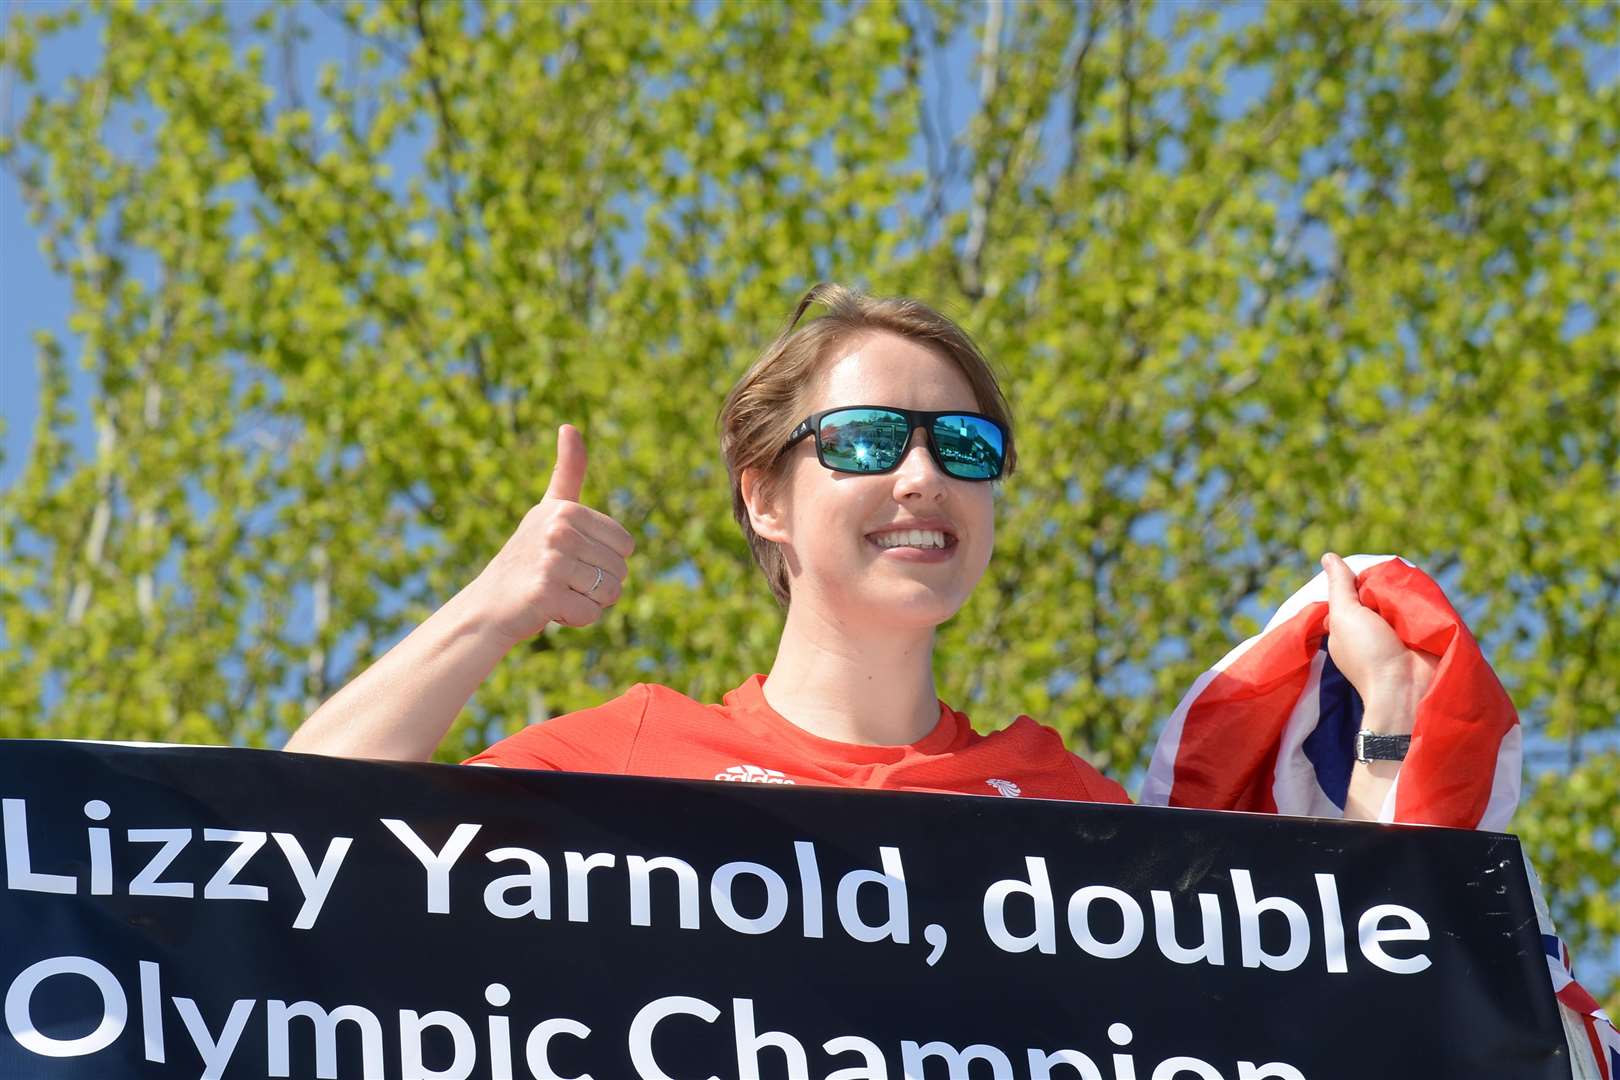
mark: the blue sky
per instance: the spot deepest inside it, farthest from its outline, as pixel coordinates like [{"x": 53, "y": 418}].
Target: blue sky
[{"x": 31, "y": 298}]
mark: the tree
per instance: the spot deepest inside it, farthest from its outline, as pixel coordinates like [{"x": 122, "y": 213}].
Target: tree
[{"x": 1359, "y": 305}]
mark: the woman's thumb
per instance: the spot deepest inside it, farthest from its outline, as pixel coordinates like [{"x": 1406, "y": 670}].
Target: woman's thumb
[
  {"x": 568, "y": 475},
  {"x": 1341, "y": 584}
]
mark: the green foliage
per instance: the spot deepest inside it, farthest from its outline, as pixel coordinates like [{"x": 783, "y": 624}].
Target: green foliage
[{"x": 331, "y": 338}]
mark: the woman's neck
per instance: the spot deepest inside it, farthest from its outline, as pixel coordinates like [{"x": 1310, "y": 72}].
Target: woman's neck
[{"x": 873, "y": 689}]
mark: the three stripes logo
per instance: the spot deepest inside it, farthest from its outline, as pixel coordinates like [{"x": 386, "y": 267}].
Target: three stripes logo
[{"x": 752, "y": 774}]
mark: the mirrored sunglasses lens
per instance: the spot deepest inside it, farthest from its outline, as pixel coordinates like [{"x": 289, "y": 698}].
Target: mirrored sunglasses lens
[
  {"x": 863, "y": 440},
  {"x": 971, "y": 448}
]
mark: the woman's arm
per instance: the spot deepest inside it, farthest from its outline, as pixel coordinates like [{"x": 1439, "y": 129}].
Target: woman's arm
[
  {"x": 401, "y": 706},
  {"x": 565, "y": 564}
]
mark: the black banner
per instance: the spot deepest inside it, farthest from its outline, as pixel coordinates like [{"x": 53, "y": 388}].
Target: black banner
[{"x": 192, "y": 912}]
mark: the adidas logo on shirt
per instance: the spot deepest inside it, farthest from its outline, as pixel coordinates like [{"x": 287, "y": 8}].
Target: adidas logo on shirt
[
  {"x": 1008, "y": 789},
  {"x": 752, "y": 774}
]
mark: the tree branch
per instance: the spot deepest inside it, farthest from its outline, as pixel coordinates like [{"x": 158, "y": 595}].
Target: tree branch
[
  {"x": 1127, "y": 115},
  {"x": 986, "y": 174},
  {"x": 1074, "y": 71}
]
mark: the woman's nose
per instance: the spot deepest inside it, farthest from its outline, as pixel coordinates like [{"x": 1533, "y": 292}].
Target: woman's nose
[{"x": 917, "y": 472}]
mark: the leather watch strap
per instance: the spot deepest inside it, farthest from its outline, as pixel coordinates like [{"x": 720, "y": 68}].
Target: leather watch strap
[{"x": 1371, "y": 746}]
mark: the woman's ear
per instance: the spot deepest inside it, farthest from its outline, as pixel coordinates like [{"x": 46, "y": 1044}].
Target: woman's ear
[{"x": 764, "y": 514}]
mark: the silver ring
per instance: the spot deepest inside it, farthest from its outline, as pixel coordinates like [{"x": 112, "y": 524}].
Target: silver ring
[{"x": 595, "y": 583}]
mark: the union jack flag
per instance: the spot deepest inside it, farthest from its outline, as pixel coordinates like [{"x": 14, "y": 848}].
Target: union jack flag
[
  {"x": 1600, "y": 1031},
  {"x": 1271, "y": 729}
]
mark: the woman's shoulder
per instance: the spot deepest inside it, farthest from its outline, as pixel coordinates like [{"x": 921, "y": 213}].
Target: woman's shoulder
[
  {"x": 1041, "y": 749},
  {"x": 606, "y": 738},
  {"x": 595, "y": 739}
]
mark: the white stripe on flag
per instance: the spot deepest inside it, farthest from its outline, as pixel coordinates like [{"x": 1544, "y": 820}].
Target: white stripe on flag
[
  {"x": 1505, "y": 783},
  {"x": 1161, "y": 775},
  {"x": 1294, "y": 786}
]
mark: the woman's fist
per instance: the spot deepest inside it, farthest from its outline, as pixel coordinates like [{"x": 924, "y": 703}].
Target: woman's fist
[{"x": 1389, "y": 676}]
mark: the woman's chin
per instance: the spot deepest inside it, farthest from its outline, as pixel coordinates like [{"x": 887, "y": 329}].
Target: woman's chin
[
  {"x": 892, "y": 603},
  {"x": 916, "y": 606}
]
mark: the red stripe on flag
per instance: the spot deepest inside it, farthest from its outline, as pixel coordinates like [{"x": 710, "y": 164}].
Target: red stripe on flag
[
  {"x": 1227, "y": 758},
  {"x": 1446, "y": 778}
]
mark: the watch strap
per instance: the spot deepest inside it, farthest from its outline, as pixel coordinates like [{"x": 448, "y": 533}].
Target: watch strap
[{"x": 1371, "y": 746}]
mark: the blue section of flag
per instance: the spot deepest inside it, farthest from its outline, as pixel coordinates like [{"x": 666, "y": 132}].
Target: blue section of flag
[
  {"x": 1331, "y": 747},
  {"x": 1552, "y": 947}
]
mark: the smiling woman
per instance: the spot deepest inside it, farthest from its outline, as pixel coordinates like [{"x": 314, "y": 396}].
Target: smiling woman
[{"x": 862, "y": 448}]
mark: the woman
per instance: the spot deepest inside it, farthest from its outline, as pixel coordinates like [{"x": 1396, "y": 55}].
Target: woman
[{"x": 862, "y": 448}]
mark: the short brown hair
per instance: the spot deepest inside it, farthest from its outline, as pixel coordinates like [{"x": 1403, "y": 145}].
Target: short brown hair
[{"x": 769, "y": 400}]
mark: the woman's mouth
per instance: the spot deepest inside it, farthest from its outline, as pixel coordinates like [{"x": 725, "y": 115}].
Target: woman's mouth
[{"x": 914, "y": 545}]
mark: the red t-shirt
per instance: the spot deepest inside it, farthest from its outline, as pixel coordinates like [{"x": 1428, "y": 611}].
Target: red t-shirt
[{"x": 651, "y": 730}]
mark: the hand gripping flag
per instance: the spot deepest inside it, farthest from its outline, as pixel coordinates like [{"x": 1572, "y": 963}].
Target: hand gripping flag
[{"x": 1271, "y": 729}]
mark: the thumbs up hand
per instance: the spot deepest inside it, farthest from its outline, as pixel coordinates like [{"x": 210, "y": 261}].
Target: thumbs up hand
[{"x": 564, "y": 564}]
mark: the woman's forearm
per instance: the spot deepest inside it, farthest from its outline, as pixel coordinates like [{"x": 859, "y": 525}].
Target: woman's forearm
[
  {"x": 1391, "y": 711},
  {"x": 401, "y": 706}
]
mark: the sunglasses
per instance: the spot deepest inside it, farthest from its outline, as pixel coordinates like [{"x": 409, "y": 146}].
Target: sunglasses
[{"x": 871, "y": 439}]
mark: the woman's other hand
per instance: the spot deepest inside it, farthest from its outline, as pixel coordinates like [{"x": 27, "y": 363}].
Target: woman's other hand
[{"x": 1389, "y": 676}]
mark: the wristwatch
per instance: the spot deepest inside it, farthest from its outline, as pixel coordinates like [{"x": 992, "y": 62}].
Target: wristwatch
[{"x": 1371, "y": 746}]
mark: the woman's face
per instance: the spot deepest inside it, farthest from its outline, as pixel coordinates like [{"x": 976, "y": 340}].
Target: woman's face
[{"x": 827, "y": 520}]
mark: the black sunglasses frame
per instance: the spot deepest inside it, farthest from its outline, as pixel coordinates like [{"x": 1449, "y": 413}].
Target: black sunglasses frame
[{"x": 811, "y": 426}]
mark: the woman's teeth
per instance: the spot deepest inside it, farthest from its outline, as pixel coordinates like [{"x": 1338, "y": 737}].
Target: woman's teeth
[{"x": 918, "y": 538}]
